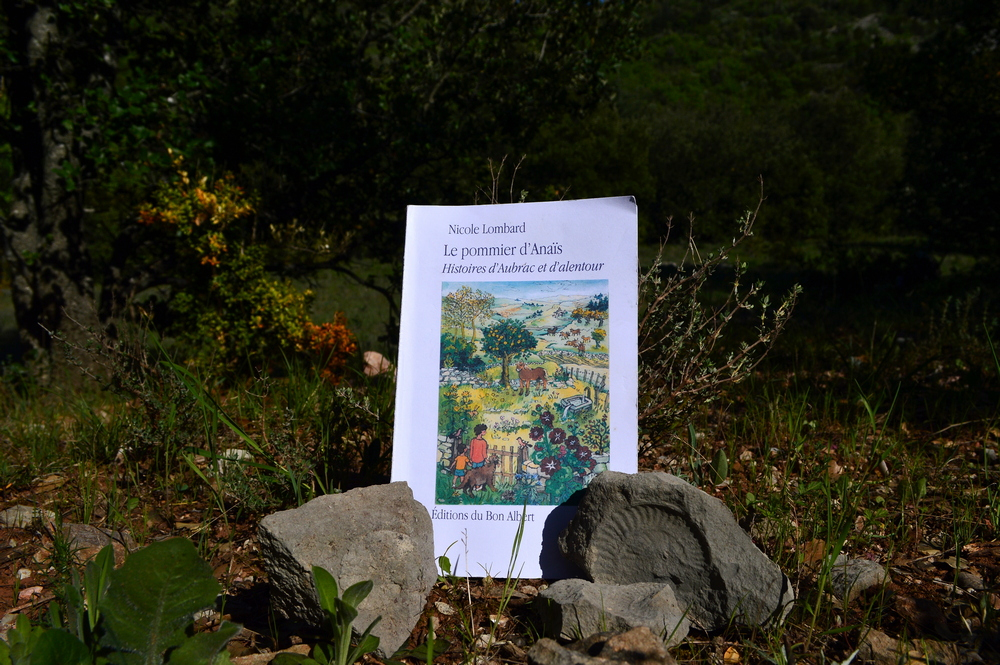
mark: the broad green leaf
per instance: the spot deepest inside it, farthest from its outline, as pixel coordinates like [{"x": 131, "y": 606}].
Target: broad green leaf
[
  {"x": 57, "y": 647},
  {"x": 203, "y": 647},
  {"x": 326, "y": 588},
  {"x": 4, "y": 653},
  {"x": 358, "y": 592},
  {"x": 152, "y": 598}
]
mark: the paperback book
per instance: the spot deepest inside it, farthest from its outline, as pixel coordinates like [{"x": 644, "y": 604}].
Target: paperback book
[{"x": 517, "y": 379}]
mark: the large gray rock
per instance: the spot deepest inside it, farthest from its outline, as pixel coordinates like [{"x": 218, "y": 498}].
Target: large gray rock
[
  {"x": 377, "y": 533},
  {"x": 654, "y": 527},
  {"x": 571, "y": 608}
]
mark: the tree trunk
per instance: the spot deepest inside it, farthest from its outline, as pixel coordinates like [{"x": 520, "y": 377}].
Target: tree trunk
[{"x": 43, "y": 244}]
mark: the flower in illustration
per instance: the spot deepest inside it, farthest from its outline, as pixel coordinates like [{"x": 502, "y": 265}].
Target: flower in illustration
[
  {"x": 562, "y": 451},
  {"x": 550, "y": 465},
  {"x": 536, "y": 433},
  {"x": 557, "y": 436},
  {"x": 573, "y": 442},
  {"x": 592, "y": 463},
  {"x": 546, "y": 419},
  {"x": 583, "y": 453}
]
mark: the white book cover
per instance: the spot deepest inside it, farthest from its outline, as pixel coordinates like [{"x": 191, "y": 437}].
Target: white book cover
[{"x": 518, "y": 370}]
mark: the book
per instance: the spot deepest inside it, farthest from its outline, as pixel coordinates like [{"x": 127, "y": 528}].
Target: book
[{"x": 518, "y": 371}]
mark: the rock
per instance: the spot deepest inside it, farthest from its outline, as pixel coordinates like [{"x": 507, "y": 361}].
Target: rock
[
  {"x": 264, "y": 658},
  {"x": 850, "y": 577},
  {"x": 654, "y": 527},
  {"x": 968, "y": 580},
  {"x": 377, "y": 533},
  {"x": 638, "y": 645},
  {"x": 84, "y": 536},
  {"x": 376, "y": 363},
  {"x": 23, "y": 517},
  {"x": 877, "y": 647},
  {"x": 570, "y": 608}
]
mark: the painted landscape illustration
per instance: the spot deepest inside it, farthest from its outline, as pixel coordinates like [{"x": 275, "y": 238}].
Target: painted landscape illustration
[{"x": 523, "y": 392}]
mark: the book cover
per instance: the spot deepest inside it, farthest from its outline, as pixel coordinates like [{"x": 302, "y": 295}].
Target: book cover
[{"x": 517, "y": 377}]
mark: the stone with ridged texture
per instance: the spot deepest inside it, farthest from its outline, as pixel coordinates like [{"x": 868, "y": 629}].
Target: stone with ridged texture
[{"x": 654, "y": 527}]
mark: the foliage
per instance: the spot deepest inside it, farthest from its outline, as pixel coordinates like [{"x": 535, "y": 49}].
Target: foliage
[
  {"x": 457, "y": 409},
  {"x": 460, "y": 354},
  {"x": 464, "y": 307},
  {"x": 140, "y": 613},
  {"x": 683, "y": 363},
  {"x": 340, "y": 613},
  {"x": 561, "y": 456},
  {"x": 506, "y": 339},
  {"x": 950, "y": 90},
  {"x": 226, "y": 305}
]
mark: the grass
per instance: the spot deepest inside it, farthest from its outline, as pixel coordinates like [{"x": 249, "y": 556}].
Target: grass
[{"x": 865, "y": 432}]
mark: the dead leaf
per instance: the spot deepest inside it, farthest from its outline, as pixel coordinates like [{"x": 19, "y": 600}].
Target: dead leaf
[
  {"x": 813, "y": 553},
  {"x": 732, "y": 656}
]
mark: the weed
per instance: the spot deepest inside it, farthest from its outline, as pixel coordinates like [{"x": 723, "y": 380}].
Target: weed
[
  {"x": 335, "y": 647},
  {"x": 683, "y": 361}
]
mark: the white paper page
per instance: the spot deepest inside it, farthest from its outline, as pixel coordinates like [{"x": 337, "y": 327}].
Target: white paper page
[{"x": 546, "y": 292}]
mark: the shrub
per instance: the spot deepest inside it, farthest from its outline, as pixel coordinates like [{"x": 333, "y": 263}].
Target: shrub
[
  {"x": 682, "y": 364},
  {"x": 460, "y": 354},
  {"x": 225, "y": 305}
]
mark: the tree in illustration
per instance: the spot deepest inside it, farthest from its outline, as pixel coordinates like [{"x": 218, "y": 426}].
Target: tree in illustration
[{"x": 505, "y": 339}]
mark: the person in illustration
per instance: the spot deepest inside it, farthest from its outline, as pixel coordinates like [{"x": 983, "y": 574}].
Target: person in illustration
[
  {"x": 458, "y": 464},
  {"x": 478, "y": 449}
]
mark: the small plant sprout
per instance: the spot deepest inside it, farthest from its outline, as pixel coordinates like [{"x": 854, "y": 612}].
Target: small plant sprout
[{"x": 336, "y": 646}]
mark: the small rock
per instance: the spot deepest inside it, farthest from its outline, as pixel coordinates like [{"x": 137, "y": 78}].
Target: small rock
[
  {"x": 231, "y": 460},
  {"x": 638, "y": 645},
  {"x": 574, "y": 607},
  {"x": 990, "y": 456},
  {"x": 444, "y": 608},
  {"x": 23, "y": 573},
  {"x": 264, "y": 658},
  {"x": 969, "y": 580},
  {"x": 85, "y": 536},
  {"x": 24, "y": 516},
  {"x": 877, "y": 647},
  {"x": 376, "y": 363},
  {"x": 850, "y": 577}
]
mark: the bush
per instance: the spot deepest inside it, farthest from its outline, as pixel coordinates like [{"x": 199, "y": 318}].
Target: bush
[
  {"x": 682, "y": 362},
  {"x": 225, "y": 305},
  {"x": 460, "y": 354}
]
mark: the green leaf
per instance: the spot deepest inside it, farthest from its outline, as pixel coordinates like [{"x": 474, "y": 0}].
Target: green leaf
[
  {"x": 202, "y": 648},
  {"x": 4, "y": 653},
  {"x": 152, "y": 598},
  {"x": 326, "y": 588},
  {"x": 96, "y": 577},
  {"x": 345, "y": 614},
  {"x": 293, "y": 659},
  {"x": 57, "y": 647},
  {"x": 358, "y": 592}
]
